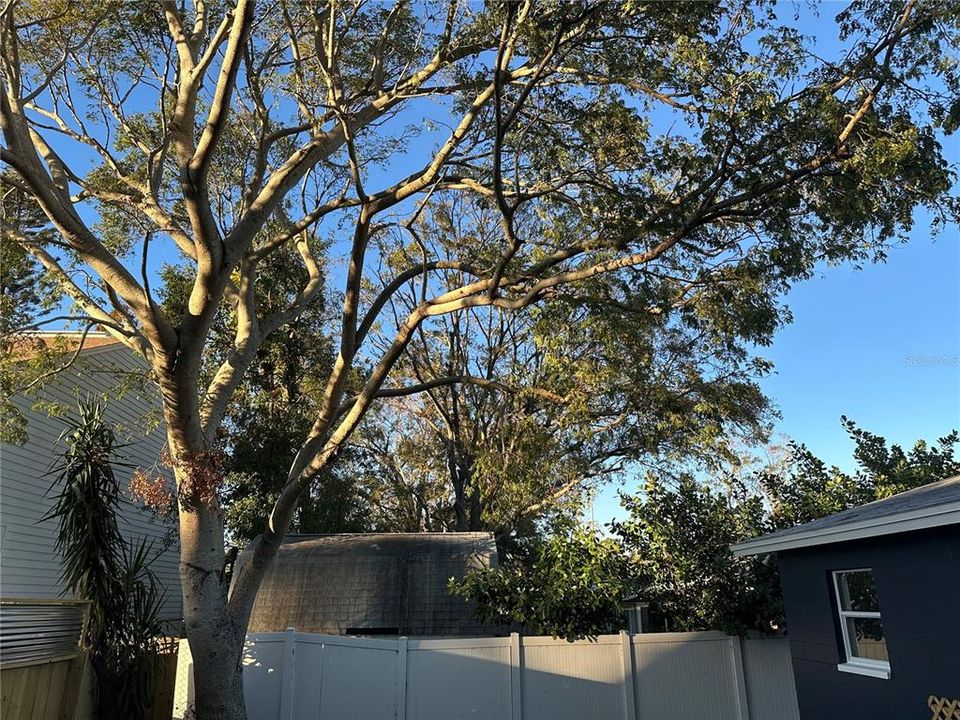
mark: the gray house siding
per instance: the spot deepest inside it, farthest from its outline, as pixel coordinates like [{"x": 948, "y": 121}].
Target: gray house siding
[{"x": 30, "y": 565}]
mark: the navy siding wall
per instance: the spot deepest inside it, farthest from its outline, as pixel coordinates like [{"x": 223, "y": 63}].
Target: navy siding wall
[{"x": 918, "y": 583}]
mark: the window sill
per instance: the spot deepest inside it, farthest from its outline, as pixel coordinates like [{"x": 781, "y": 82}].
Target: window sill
[{"x": 871, "y": 670}]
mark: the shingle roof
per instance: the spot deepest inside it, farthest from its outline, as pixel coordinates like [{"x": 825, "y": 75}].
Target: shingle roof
[
  {"x": 372, "y": 583},
  {"x": 933, "y": 505}
]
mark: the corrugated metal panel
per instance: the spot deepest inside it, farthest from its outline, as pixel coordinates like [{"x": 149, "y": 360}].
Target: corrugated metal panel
[
  {"x": 38, "y": 631},
  {"x": 31, "y": 566}
]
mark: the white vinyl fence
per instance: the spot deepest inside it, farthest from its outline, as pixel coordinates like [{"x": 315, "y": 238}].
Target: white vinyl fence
[{"x": 657, "y": 676}]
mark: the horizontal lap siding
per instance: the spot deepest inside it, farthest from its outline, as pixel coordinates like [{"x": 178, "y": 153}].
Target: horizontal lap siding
[{"x": 30, "y": 566}]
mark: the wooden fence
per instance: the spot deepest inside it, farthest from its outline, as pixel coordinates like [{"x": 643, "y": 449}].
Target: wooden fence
[
  {"x": 62, "y": 689},
  {"x": 50, "y": 690},
  {"x": 695, "y": 676}
]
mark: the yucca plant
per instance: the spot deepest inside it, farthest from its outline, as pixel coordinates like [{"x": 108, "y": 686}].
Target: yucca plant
[{"x": 124, "y": 626}]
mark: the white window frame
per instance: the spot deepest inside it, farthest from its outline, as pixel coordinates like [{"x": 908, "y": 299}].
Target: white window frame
[
  {"x": 855, "y": 664},
  {"x": 634, "y": 613}
]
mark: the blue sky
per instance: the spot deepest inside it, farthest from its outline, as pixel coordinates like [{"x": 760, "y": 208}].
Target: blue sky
[{"x": 880, "y": 345}]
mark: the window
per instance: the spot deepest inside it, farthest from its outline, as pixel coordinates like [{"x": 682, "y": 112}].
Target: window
[
  {"x": 865, "y": 646},
  {"x": 637, "y": 616}
]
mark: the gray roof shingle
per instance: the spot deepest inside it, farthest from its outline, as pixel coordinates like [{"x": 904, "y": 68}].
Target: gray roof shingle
[
  {"x": 932, "y": 505},
  {"x": 371, "y": 581}
]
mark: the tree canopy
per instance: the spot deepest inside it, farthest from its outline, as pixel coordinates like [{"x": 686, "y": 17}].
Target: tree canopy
[{"x": 675, "y": 165}]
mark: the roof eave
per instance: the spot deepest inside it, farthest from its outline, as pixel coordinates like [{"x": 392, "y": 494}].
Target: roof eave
[{"x": 938, "y": 516}]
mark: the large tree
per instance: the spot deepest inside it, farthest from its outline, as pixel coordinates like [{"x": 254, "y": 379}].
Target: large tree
[
  {"x": 549, "y": 403},
  {"x": 271, "y": 410},
  {"x": 702, "y": 155}
]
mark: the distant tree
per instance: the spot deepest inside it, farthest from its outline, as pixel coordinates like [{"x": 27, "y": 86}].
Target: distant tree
[
  {"x": 679, "y": 532},
  {"x": 678, "y": 536},
  {"x": 26, "y": 296},
  {"x": 521, "y": 411},
  {"x": 806, "y": 488},
  {"x": 20, "y": 274}
]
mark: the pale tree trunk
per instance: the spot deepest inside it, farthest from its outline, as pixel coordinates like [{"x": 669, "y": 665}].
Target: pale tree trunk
[
  {"x": 215, "y": 633},
  {"x": 216, "y": 637}
]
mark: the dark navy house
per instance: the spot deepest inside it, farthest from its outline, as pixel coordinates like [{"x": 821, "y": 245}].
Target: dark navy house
[{"x": 872, "y": 598}]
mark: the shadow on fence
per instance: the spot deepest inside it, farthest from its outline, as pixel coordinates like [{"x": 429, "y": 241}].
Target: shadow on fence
[{"x": 696, "y": 676}]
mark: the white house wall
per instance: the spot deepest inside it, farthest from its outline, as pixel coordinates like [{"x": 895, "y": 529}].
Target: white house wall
[{"x": 30, "y": 565}]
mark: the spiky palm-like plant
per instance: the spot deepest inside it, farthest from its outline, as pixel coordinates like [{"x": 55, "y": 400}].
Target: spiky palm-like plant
[{"x": 98, "y": 564}]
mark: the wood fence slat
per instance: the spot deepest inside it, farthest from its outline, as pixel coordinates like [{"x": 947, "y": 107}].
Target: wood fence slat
[
  {"x": 41, "y": 696},
  {"x": 43, "y": 691},
  {"x": 58, "y": 682},
  {"x": 72, "y": 687}
]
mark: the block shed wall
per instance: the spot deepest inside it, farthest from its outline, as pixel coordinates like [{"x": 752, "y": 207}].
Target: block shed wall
[{"x": 918, "y": 584}]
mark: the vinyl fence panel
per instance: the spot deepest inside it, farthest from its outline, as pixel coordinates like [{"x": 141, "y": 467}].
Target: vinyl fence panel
[
  {"x": 568, "y": 681},
  {"x": 768, "y": 670},
  {"x": 684, "y": 675},
  {"x": 263, "y": 675},
  {"x": 355, "y": 681},
  {"x": 474, "y": 675},
  {"x": 694, "y": 676}
]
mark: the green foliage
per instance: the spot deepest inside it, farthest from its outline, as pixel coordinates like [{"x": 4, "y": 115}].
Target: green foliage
[
  {"x": 679, "y": 534},
  {"x": 679, "y": 541},
  {"x": 26, "y": 294},
  {"x": 588, "y": 383},
  {"x": 124, "y": 625},
  {"x": 806, "y": 489},
  {"x": 673, "y": 549},
  {"x": 568, "y": 585},
  {"x": 20, "y": 274},
  {"x": 669, "y": 172}
]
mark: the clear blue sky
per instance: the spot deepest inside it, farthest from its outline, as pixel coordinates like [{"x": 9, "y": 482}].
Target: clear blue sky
[{"x": 880, "y": 345}]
